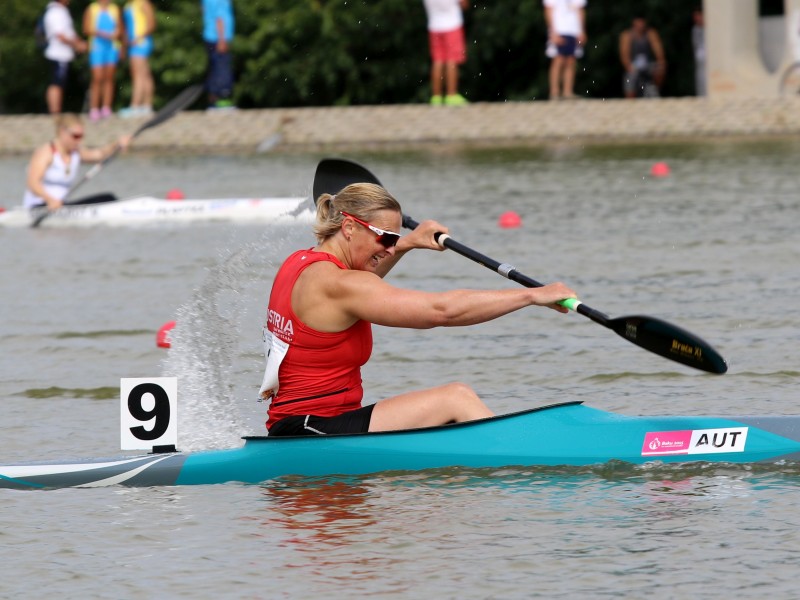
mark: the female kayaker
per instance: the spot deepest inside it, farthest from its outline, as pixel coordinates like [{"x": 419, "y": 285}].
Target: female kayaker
[
  {"x": 323, "y": 301},
  {"x": 54, "y": 165}
]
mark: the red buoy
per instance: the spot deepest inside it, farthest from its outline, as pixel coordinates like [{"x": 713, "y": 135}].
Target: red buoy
[
  {"x": 162, "y": 337},
  {"x": 175, "y": 194},
  {"x": 659, "y": 169},
  {"x": 509, "y": 220}
]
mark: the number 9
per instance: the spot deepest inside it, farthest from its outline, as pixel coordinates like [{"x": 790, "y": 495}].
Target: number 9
[{"x": 160, "y": 411}]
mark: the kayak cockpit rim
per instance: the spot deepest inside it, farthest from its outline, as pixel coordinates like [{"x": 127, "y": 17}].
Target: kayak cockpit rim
[{"x": 463, "y": 424}]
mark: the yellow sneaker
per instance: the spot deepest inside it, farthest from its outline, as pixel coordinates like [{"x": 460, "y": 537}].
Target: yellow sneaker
[
  {"x": 436, "y": 100},
  {"x": 455, "y": 100}
]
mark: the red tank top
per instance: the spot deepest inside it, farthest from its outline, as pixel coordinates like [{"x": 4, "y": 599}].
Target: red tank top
[{"x": 321, "y": 372}]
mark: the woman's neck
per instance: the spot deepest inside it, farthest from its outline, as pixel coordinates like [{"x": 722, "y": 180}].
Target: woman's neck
[
  {"x": 60, "y": 148},
  {"x": 332, "y": 247}
]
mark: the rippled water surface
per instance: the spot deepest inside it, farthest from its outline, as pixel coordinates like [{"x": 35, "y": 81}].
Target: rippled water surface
[{"x": 713, "y": 248}]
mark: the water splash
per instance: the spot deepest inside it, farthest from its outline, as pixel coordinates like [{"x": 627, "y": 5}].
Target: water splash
[{"x": 205, "y": 346}]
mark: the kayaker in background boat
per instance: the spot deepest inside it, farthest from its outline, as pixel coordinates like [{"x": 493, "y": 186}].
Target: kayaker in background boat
[
  {"x": 54, "y": 165},
  {"x": 323, "y": 301}
]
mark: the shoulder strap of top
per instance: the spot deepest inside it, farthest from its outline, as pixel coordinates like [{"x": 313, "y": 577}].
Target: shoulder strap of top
[{"x": 54, "y": 151}]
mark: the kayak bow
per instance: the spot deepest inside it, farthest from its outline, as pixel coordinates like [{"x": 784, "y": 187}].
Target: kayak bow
[{"x": 568, "y": 434}]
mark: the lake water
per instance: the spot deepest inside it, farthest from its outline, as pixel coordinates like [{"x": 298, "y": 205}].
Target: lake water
[{"x": 713, "y": 248}]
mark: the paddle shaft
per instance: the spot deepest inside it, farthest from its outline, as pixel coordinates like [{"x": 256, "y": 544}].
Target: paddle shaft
[{"x": 509, "y": 272}]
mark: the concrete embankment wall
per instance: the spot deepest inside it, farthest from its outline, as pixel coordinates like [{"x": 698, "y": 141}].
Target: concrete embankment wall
[{"x": 516, "y": 123}]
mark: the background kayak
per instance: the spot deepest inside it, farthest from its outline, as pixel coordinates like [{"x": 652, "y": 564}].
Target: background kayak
[{"x": 148, "y": 210}]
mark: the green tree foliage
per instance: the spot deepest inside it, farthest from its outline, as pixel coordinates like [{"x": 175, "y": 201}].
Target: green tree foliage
[
  {"x": 335, "y": 52},
  {"x": 350, "y": 52}
]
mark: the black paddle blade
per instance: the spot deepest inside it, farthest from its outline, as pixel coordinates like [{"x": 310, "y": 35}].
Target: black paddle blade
[
  {"x": 333, "y": 174},
  {"x": 669, "y": 341}
]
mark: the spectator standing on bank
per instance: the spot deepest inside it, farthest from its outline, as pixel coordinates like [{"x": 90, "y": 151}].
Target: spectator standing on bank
[
  {"x": 448, "y": 49},
  {"x": 62, "y": 44},
  {"x": 103, "y": 25},
  {"x": 699, "y": 45},
  {"x": 643, "y": 58},
  {"x": 566, "y": 37},
  {"x": 218, "y": 27},
  {"x": 140, "y": 23}
]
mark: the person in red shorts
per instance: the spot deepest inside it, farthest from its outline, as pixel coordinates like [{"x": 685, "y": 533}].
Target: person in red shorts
[
  {"x": 324, "y": 300},
  {"x": 448, "y": 49}
]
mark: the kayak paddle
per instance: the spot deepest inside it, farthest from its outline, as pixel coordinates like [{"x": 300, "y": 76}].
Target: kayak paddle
[
  {"x": 183, "y": 100},
  {"x": 650, "y": 333}
]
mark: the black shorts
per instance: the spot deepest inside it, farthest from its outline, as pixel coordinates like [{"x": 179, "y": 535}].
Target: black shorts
[
  {"x": 354, "y": 421},
  {"x": 58, "y": 73},
  {"x": 568, "y": 46}
]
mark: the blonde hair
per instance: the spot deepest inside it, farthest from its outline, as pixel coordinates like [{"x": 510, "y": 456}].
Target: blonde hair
[
  {"x": 362, "y": 200},
  {"x": 67, "y": 120}
]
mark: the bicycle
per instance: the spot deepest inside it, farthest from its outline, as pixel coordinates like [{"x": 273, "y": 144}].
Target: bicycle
[{"x": 643, "y": 83}]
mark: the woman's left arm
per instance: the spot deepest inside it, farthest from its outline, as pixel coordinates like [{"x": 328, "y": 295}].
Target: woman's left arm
[
  {"x": 150, "y": 17},
  {"x": 102, "y": 153},
  {"x": 421, "y": 237}
]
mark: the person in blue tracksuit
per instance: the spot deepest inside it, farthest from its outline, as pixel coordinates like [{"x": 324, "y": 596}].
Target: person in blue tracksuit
[{"x": 218, "y": 27}]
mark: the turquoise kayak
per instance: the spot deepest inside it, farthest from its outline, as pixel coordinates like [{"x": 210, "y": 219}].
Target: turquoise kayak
[{"x": 568, "y": 434}]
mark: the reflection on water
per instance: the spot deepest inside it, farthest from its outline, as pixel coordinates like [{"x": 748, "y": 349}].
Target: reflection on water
[
  {"x": 480, "y": 532},
  {"x": 323, "y": 511}
]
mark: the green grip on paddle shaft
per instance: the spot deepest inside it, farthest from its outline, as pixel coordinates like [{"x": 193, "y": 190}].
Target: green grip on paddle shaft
[{"x": 571, "y": 303}]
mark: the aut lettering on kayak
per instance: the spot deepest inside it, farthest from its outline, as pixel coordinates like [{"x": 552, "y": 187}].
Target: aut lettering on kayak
[{"x": 719, "y": 440}]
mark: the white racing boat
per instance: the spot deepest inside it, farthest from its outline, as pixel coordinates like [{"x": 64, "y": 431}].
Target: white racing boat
[{"x": 144, "y": 210}]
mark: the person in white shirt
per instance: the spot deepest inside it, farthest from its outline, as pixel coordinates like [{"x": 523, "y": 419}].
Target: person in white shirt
[
  {"x": 566, "y": 37},
  {"x": 448, "y": 49},
  {"x": 62, "y": 43}
]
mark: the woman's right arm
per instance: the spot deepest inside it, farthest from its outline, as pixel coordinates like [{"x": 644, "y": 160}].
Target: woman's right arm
[
  {"x": 40, "y": 160},
  {"x": 625, "y": 51},
  {"x": 87, "y": 22}
]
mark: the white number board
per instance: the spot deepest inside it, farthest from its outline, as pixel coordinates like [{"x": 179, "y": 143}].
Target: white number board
[{"x": 148, "y": 412}]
